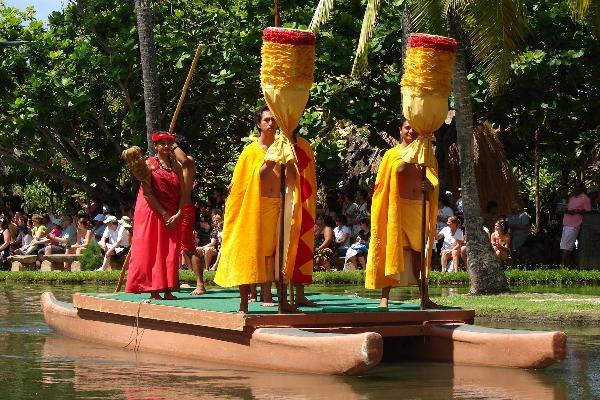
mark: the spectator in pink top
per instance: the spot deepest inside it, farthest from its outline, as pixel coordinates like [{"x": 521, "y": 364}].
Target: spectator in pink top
[{"x": 578, "y": 205}]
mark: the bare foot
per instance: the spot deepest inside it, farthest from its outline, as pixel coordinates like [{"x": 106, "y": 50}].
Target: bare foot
[
  {"x": 288, "y": 308},
  {"x": 430, "y": 304},
  {"x": 155, "y": 296},
  {"x": 303, "y": 301},
  {"x": 383, "y": 303},
  {"x": 268, "y": 304},
  {"x": 200, "y": 289},
  {"x": 169, "y": 296},
  {"x": 252, "y": 300}
]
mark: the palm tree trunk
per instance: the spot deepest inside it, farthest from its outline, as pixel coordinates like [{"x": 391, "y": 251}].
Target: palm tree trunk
[
  {"x": 148, "y": 60},
  {"x": 485, "y": 271}
]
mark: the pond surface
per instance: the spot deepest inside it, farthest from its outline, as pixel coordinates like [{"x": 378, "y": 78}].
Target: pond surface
[{"x": 36, "y": 363}]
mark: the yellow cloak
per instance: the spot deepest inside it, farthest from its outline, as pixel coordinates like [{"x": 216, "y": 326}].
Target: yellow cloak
[
  {"x": 242, "y": 260},
  {"x": 386, "y": 260}
]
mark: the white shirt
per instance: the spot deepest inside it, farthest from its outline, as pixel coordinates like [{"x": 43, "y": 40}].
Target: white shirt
[
  {"x": 450, "y": 239},
  {"x": 120, "y": 235},
  {"x": 339, "y": 235},
  {"x": 444, "y": 212}
]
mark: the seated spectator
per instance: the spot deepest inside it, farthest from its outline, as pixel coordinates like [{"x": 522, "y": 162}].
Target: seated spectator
[
  {"x": 324, "y": 242},
  {"x": 500, "y": 240},
  {"x": 453, "y": 243},
  {"x": 50, "y": 238},
  {"x": 39, "y": 233},
  {"x": 114, "y": 241},
  {"x": 60, "y": 244},
  {"x": 518, "y": 223},
  {"x": 342, "y": 235},
  {"x": 99, "y": 227},
  {"x": 85, "y": 236},
  {"x": 350, "y": 210},
  {"x": 444, "y": 211},
  {"x": 24, "y": 238},
  {"x": 358, "y": 251},
  {"x": 362, "y": 199},
  {"x": 207, "y": 241},
  {"x": 4, "y": 239}
]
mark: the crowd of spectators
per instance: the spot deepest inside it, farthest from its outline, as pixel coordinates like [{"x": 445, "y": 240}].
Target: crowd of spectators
[
  {"x": 46, "y": 233},
  {"x": 342, "y": 229}
]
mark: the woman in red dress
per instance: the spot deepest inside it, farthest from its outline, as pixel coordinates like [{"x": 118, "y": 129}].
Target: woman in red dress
[{"x": 155, "y": 247}]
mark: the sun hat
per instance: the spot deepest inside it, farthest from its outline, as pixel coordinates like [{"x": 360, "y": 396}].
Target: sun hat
[
  {"x": 110, "y": 218},
  {"x": 99, "y": 217},
  {"x": 125, "y": 222}
]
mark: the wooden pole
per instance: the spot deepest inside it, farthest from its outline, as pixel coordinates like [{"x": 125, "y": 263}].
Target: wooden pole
[
  {"x": 282, "y": 292},
  {"x": 185, "y": 88},
  {"x": 277, "y": 17},
  {"x": 423, "y": 243},
  {"x": 123, "y": 269}
]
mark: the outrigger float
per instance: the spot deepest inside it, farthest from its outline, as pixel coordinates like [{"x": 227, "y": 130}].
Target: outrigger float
[{"x": 344, "y": 335}]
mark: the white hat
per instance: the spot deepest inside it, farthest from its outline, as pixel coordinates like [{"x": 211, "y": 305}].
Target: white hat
[
  {"x": 110, "y": 218},
  {"x": 99, "y": 217},
  {"x": 125, "y": 222}
]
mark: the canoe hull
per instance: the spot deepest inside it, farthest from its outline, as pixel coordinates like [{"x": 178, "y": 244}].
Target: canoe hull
[
  {"x": 283, "y": 349},
  {"x": 317, "y": 343}
]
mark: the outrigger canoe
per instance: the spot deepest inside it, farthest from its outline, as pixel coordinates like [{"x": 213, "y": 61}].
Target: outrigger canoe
[{"x": 344, "y": 335}]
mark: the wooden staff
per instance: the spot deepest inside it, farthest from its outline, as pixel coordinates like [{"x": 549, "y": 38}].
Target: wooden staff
[
  {"x": 282, "y": 292},
  {"x": 185, "y": 88},
  {"x": 123, "y": 269},
  {"x": 423, "y": 267},
  {"x": 277, "y": 17}
]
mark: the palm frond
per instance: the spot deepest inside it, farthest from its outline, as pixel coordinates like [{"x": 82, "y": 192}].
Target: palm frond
[
  {"x": 321, "y": 14},
  {"x": 428, "y": 16},
  {"x": 366, "y": 32},
  {"x": 495, "y": 30},
  {"x": 578, "y": 9}
]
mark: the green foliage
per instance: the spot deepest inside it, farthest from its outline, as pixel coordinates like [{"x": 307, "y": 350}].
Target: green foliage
[
  {"x": 517, "y": 277},
  {"x": 553, "y": 88},
  {"x": 91, "y": 258}
]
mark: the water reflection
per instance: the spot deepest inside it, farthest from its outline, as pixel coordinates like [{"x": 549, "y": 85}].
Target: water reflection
[{"x": 119, "y": 373}]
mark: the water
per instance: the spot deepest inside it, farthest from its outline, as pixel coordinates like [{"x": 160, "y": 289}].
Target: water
[{"x": 35, "y": 363}]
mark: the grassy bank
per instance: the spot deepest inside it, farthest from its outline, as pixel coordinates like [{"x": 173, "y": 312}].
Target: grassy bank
[
  {"x": 516, "y": 277},
  {"x": 540, "y": 308}
]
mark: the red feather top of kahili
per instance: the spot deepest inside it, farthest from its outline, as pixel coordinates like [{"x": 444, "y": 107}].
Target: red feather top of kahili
[
  {"x": 432, "y": 42},
  {"x": 289, "y": 36}
]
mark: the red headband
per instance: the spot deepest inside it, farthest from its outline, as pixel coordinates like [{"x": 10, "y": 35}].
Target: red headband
[{"x": 160, "y": 135}]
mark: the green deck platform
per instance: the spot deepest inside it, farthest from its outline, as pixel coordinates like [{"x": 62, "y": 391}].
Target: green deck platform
[{"x": 228, "y": 301}]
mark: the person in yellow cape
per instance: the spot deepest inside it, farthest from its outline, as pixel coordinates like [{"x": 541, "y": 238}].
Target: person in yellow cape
[
  {"x": 250, "y": 231},
  {"x": 395, "y": 252}
]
